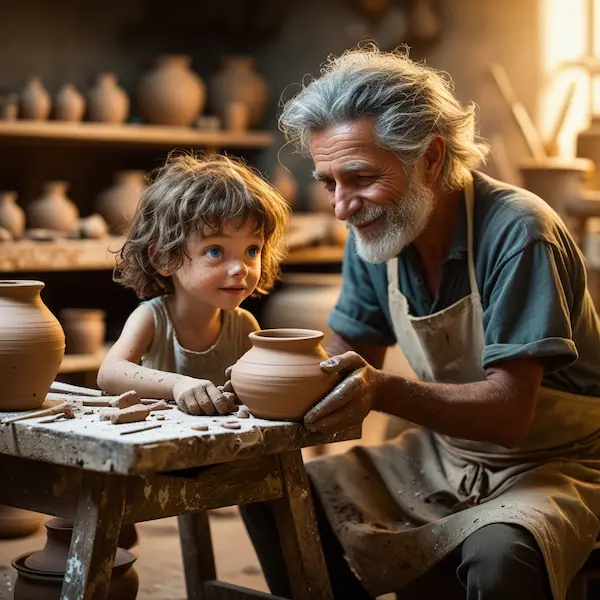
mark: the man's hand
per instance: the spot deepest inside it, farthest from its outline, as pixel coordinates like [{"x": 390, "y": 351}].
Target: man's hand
[
  {"x": 351, "y": 400},
  {"x": 201, "y": 397}
]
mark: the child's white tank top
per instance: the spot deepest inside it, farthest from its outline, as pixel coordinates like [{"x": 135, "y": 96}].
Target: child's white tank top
[{"x": 166, "y": 354}]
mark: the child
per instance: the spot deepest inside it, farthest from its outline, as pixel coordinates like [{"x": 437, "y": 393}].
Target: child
[{"x": 207, "y": 234}]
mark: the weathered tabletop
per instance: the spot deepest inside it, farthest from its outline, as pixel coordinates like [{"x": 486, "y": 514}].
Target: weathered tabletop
[
  {"x": 95, "y": 473},
  {"x": 95, "y": 445}
]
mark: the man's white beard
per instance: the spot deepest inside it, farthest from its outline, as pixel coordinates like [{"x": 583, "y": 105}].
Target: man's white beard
[{"x": 402, "y": 223}]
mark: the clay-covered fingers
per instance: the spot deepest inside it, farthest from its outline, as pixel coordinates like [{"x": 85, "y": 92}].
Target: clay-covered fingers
[
  {"x": 343, "y": 363},
  {"x": 220, "y": 401},
  {"x": 339, "y": 419},
  {"x": 186, "y": 402},
  {"x": 342, "y": 394}
]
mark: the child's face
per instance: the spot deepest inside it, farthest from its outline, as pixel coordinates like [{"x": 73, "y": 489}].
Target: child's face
[{"x": 223, "y": 269}]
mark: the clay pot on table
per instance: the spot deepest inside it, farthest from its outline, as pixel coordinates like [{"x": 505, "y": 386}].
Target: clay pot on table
[
  {"x": 35, "y": 102},
  {"x": 41, "y": 573},
  {"x": 84, "y": 329},
  {"x": 107, "y": 102},
  {"x": 238, "y": 82},
  {"x": 118, "y": 203},
  {"x": 32, "y": 345},
  {"x": 53, "y": 209},
  {"x": 279, "y": 377},
  {"x": 171, "y": 93},
  {"x": 12, "y": 216}
]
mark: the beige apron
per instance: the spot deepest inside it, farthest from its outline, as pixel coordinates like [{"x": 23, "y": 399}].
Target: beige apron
[{"x": 399, "y": 508}]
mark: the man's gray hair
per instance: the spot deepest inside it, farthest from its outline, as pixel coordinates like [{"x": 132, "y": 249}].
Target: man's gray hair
[{"x": 410, "y": 102}]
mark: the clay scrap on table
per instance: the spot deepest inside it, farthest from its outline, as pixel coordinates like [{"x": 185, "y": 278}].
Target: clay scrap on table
[
  {"x": 125, "y": 400},
  {"x": 64, "y": 409},
  {"x": 131, "y": 414}
]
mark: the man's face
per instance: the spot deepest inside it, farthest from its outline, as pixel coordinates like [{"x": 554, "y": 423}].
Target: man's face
[{"x": 385, "y": 202}]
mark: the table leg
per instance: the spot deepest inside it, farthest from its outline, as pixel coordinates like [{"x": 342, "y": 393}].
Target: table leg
[
  {"x": 197, "y": 551},
  {"x": 96, "y": 530},
  {"x": 299, "y": 534}
]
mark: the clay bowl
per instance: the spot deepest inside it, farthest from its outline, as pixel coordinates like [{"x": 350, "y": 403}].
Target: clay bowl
[
  {"x": 279, "y": 377},
  {"x": 39, "y": 585}
]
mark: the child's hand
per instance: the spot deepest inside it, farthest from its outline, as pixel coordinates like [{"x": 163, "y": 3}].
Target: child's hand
[
  {"x": 201, "y": 397},
  {"x": 227, "y": 387}
]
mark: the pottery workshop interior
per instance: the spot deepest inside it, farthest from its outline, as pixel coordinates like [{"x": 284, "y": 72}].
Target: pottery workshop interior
[{"x": 299, "y": 299}]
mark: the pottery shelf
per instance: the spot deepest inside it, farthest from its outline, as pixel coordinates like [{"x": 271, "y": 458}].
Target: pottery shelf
[
  {"x": 95, "y": 255},
  {"x": 78, "y": 363},
  {"x": 59, "y": 255},
  {"x": 140, "y": 136}
]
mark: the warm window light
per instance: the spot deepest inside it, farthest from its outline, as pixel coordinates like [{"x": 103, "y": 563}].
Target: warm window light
[{"x": 564, "y": 35}]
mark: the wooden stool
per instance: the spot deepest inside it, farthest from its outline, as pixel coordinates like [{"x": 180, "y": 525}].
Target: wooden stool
[{"x": 578, "y": 590}]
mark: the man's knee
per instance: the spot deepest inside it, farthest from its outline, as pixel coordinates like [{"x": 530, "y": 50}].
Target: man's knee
[{"x": 504, "y": 557}]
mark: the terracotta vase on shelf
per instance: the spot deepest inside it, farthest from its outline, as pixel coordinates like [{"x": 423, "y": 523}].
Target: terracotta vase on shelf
[
  {"x": 118, "y": 203},
  {"x": 12, "y": 216},
  {"x": 41, "y": 573},
  {"x": 35, "y": 102},
  {"x": 279, "y": 377},
  {"x": 69, "y": 104},
  {"x": 107, "y": 101},
  {"x": 53, "y": 209},
  {"x": 171, "y": 93},
  {"x": 238, "y": 81},
  {"x": 32, "y": 345},
  {"x": 84, "y": 329}
]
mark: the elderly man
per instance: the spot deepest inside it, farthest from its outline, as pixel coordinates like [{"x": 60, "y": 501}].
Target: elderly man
[{"x": 496, "y": 493}]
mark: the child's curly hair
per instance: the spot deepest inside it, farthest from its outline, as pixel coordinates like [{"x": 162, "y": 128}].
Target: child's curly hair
[{"x": 189, "y": 192}]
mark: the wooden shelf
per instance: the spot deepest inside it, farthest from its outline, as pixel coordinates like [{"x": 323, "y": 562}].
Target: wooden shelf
[
  {"x": 59, "y": 255},
  {"x": 315, "y": 254},
  {"x": 94, "y": 255},
  {"x": 40, "y": 132},
  {"x": 79, "y": 363}
]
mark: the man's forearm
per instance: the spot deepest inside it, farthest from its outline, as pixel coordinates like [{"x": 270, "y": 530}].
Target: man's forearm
[{"x": 486, "y": 411}]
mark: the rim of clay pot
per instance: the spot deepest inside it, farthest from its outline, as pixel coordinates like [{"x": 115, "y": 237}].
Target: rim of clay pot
[
  {"x": 9, "y": 194},
  {"x": 22, "y": 283},
  {"x": 82, "y": 313},
  {"x": 557, "y": 163},
  {"x": 123, "y": 561},
  {"x": 56, "y": 184},
  {"x": 286, "y": 334}
]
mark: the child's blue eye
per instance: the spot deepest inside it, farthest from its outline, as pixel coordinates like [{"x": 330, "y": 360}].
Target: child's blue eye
[
  {"x": 253, "y": 251},
  {"x": 214, "y": 252}
]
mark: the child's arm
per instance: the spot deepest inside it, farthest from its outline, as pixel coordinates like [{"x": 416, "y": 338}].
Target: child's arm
[{"x": 121, "y": 372}]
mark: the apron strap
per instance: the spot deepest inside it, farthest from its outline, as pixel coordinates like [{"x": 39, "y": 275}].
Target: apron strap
[
  {"x": 392, "y": 272},
  {"x": 470, "y": 206}
]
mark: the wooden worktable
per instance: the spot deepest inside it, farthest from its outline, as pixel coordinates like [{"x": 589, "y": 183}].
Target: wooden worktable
[{"x": 86, "y": 470}]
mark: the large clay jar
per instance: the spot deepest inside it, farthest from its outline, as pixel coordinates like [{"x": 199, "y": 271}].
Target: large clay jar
[
  {"x": 54, "y": 209},
  {"x": 238, "y": 82},
  {"x": 69, "y": 104},
  {"x": 171, "y": 93},
  {"x": 12, "y": 216},
  {"x": 32, "y": 345},
  {"x": 279, "y": 377},
  {"x": 84, "y": 329},
  {"x": 41, "y": 573},
  {"x": 35, "y": 101},
  {"x": 107, "y": 102},
  {"x": 117, "y": 203}
]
